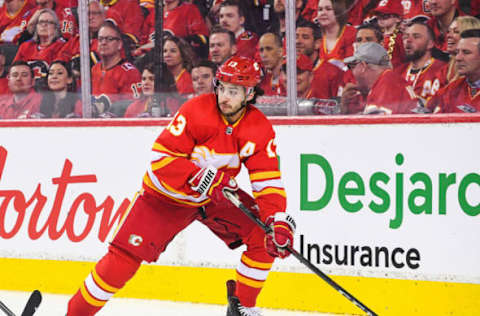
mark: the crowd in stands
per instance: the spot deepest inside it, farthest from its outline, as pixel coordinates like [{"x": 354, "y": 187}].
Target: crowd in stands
[{"x": 353, "y": 56}]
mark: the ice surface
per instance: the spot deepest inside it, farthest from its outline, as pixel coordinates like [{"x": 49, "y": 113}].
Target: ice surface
[{"x": 53, "y": 304}]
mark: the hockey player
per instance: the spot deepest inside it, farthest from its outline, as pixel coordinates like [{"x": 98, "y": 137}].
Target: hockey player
[{"x": 194, "y": 160}]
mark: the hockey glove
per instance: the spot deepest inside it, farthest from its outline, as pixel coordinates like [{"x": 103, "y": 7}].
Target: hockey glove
[
  {"x": 283, "y": 228},
  {"x": 211, "y": 182}
]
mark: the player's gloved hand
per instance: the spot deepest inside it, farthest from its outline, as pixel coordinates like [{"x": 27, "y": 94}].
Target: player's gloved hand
[
  {"x": 211, "y": 182},
  {"x": 283, "y": 228}
]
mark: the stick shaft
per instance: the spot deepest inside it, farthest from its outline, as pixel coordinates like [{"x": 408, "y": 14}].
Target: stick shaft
[{"x": 233, "y": 198}]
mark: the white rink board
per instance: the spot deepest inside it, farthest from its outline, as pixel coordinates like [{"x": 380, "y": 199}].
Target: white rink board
[{"x": 117, "y": 157}]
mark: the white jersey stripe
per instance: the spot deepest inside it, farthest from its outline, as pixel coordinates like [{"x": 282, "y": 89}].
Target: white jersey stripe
[
  {"x": 258, "y": 186},
  {"x": 252, "y": 273},
  {"x": 97, "y": 292},
  {"x": 177, "y": 196}
]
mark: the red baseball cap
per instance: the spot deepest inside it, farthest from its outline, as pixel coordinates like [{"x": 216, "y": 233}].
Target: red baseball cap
[{"x": 390, "y": 7}]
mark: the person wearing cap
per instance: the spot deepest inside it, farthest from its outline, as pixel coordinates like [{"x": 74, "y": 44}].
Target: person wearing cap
[
  {"x": 462, "y": 95},
  {"x": 390, "y": 15},
  {"x": 194, "y": 162},
  {"x": 371, "y": 68}
]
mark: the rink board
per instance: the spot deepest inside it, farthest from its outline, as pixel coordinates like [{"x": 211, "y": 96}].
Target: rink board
[{"x": 396, "y": 200}]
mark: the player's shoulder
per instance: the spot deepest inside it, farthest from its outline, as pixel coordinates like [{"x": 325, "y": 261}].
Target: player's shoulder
[{"x": 256, "y": 124}]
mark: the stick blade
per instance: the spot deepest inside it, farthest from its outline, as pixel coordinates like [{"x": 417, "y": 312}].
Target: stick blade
[{"x": 32, "y": 303}]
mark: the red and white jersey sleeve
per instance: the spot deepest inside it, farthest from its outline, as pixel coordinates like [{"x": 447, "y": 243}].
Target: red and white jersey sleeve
[
  {"x": 121, "y": 82},
  {"x": 456, "y": 97},
  {"x": 198, "y": 136},
  {"x": 12, "y": 26},
  {"x": 68, "y": 23}
]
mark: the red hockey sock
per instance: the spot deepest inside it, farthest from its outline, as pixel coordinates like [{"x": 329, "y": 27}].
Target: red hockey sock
[
  {"x": 109, "y": 275},
  {"x": 253, "y": 269}
]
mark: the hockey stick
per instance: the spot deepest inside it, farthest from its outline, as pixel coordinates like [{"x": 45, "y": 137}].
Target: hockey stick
[
  {"x": 232, "y": 197},
  {"x": 32, "y": 304}
]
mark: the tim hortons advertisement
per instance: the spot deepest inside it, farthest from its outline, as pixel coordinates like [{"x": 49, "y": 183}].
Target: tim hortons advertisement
[{"x": 396, "y": 201}]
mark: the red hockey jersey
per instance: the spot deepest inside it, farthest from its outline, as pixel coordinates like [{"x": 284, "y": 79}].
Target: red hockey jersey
[
  {"x": 184, "y": 82},
  {"x": 9, "y": 109},
  {"x": 383, "y": 100},
  {"x": 425, "y": 82},
  {"x": 199, "y": 136},
  {"x": 121, "y": 82},
  {"x": 457, "y": 97},
  {"x": 12, "y": 26},
  {"x": 343, "y": 46},
  {"x": 128, "y": 16},
  {"x": 247, "y": 44}
]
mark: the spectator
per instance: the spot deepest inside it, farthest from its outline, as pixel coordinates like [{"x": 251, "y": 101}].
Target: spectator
[
  {"x": 179, "y": 57},
  {"x": 443, "y": 13},
  {"x": 71, "y": 50},
  {"x": 271, "y": 55},
  {"x": 413, "y": 9},
  {"x": 338, "y": 37},
  {"x": 463, "y": 94},
  {"x": 67, "y": 21},
  {"x": 113, "y": 78},
  {"x": 232, "y": 18},
  {"x": 61, "y": 100},
  {"x": 128, "y": 17},
  {"x": 460, "y": 24},
  {"x": 203, "y": 73},
  {"x": 222, "y": 45},
  {"x": 144, "y": 106},
  {"x": 182, "y": 19},
  {"x": 279, "y": 25},
  {"x": 421, "y": 71},
  {"x": 23, "y": 101},
  {"x": 372, "y": 70},
  {"x": 43, "y": 48},
  {"x": 14, "y": 17},
  {"x": 389, "y": 14},
  {"x": 3, "y": 75},
  {"x": 327, "y": 73},
  {"x": 348, "y": 91}
]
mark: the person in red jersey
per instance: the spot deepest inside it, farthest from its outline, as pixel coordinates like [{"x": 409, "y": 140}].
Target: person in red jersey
[
  {"x": 413, "y": 9},
  {"x": 422, "y": 72},
  {"x": 271, "y": 55},
  {"x": 43, "y": 48},
  {"x": 3, "y": 74},
  {"x": 348, "y": 91},
  {"x": 194, "y": 160},
  {"x": 114, "y": 80},
  {"x": 327, "y": 74},
  {"x": 23, "y": 101},
  {"x": 144, "y": 107},
  {"x": 460, "y": 24},
  {"x": 179, "y": 58},
  {"x": 232, "y": 18},
  {"x": 70, "y": 52},
  {"x": 127, "y": 16},
  {"x": 182, "y": 19},
  {"x": 67, "y": 21},
  {"x": 14, "y": 17},
  {"x": 389, "y": 14},
  {"x": 462, "y": 95},
  {"x": 443, "y": 13},
  {"x": 337, "y": 36},
  {"x": 371, "y": 68}
]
